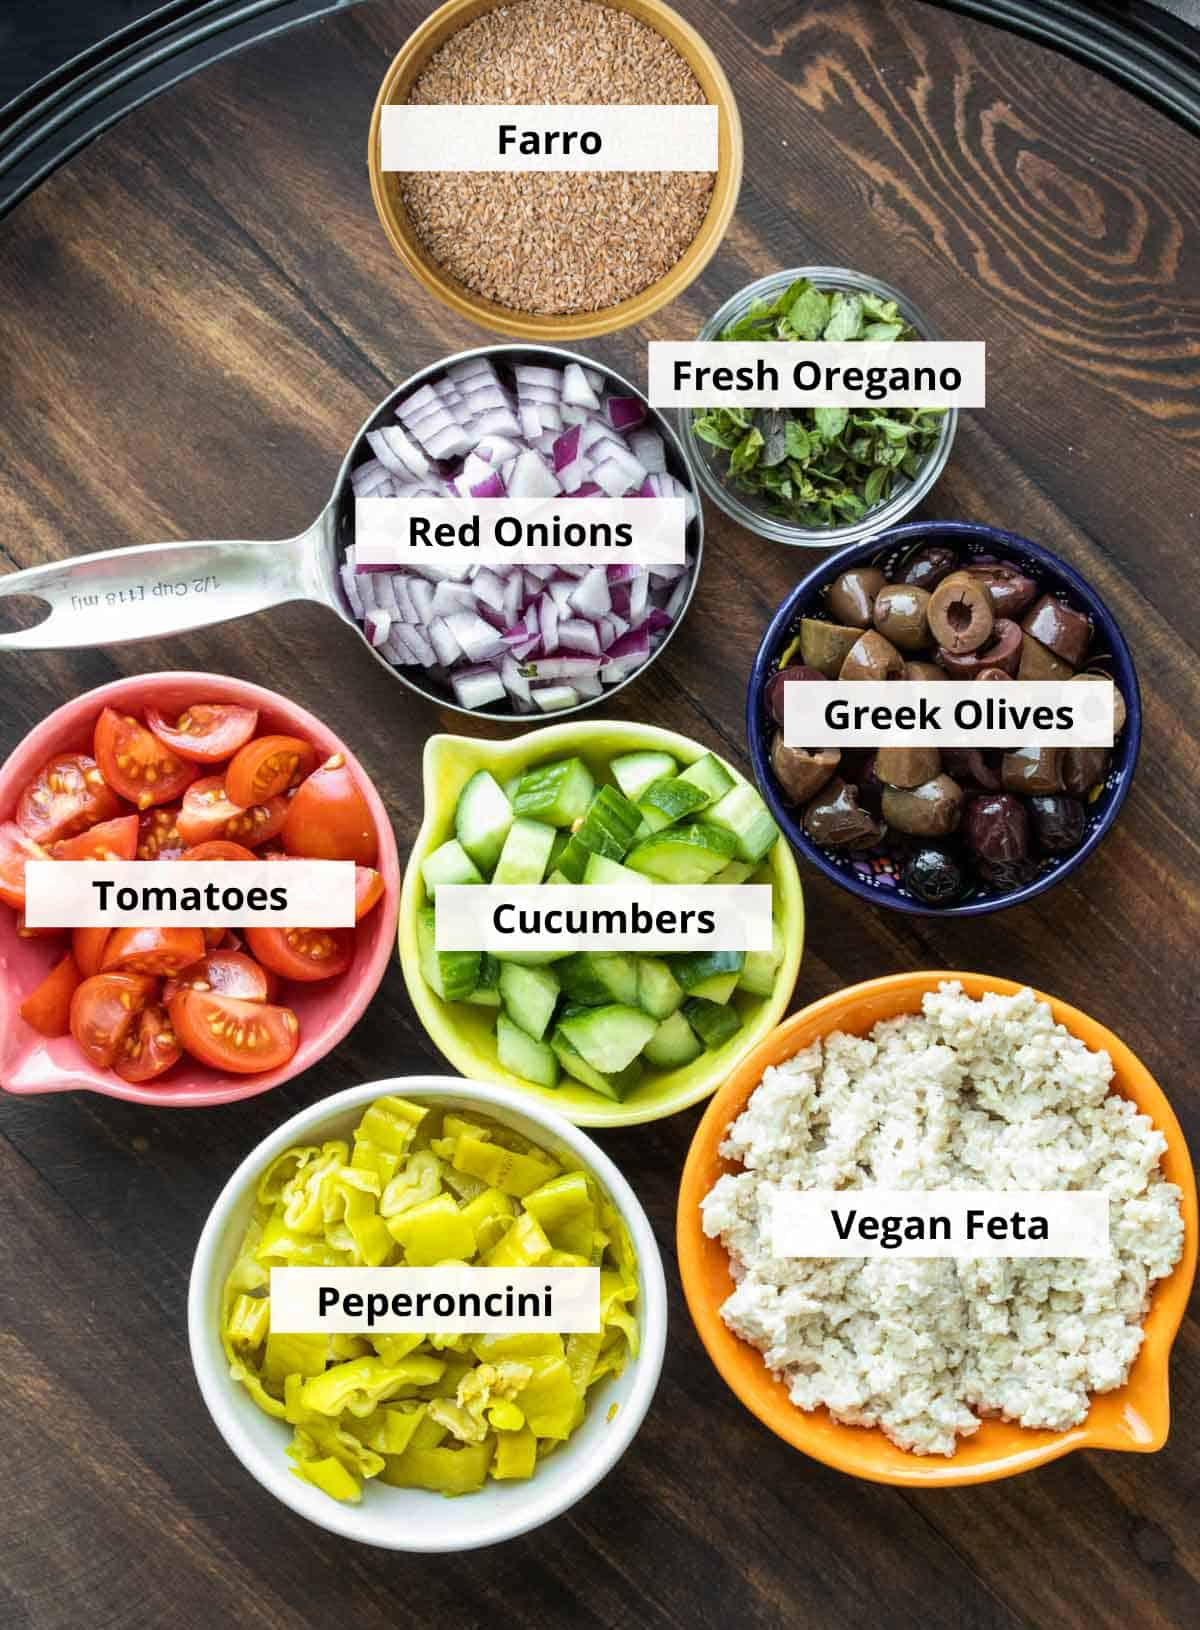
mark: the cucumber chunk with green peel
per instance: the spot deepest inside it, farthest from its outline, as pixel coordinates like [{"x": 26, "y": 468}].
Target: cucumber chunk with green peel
[
  {"x": 449, "y": 863},
  {"x": 598, "y": 977},
  {"x": 762, "y": 967},
  {"x": 487, "y": 989},
  {"x": 510, "y": 787},
  {"x": 609, "y": 1038},
  {"x": 665, "y": 802},
  {"x": 634, "y": 772},
  {"x": 673, "y": 1044},
  {"x": 743, "y": 814},
  {"x": 683, "y": 854},
  {"x": 737, "y": 871},
  {"x": 712, "y": 1022},
  {"x": 719, "y": 987},
  {"x": 659, "y": 993},
  {"x": 618, "y": 1086},
  {"x": 561, "y": 840},
  {"x": 452, "y": 975},
  {"x": 709, "y": 776},
  {"x": 601, "y": 870},
  {"x": 526, "y": 852},
  {"x": 531, "y": 959},
  {"x": 611, "y": 820},
  {"x": 557, "y": 793},
  {"x": 519, "y": 1052},
  {"x": 694, "y": 968},
  {"x": 482, "y": 818},
  {"x": 530, "y": 996}
]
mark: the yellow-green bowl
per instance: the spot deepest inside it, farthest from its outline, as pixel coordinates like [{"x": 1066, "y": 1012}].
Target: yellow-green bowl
[{"x": 466, "y": 1034}]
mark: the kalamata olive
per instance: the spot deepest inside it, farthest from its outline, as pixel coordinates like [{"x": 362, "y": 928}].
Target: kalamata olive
[
  {"x": 1010, "y": 589},
  {"x": 802, "y": 772},
  {"x": 852, "y": 595},
  {"x": 902, "y": 615},
  {"x": 1003, "y": 650},
  {"x": 927, "y": 567},
  {"x": 960, "y": 614},
  {"x": 997, "y": 827},
  {"x": 933, "y": 877},
  {"x": 1083, "y": 768},
  {"x": 774, "y": 690},
  {"x": 1058, "y": 824},
  {"x": 1032, "y": 770},
  {"x": 1118, "y": 701},
  {"x": 1065, "y": 632},
  {"x": 824, "y": 646},
  {"x": 928, "y": 811},
  {"x": 863, "y": 773},
  {"x": 1039, "y": 662},
  {"x": 991, "y": 675},
  {"x": 1006, "y": 874},
  {"x": 834, "y": 819},
  {"x": 970, "y": 765},
  {"x": 923, "y": 672},
  {"x": 907, "y": 766},
  {"x": 872, "y": 657}
]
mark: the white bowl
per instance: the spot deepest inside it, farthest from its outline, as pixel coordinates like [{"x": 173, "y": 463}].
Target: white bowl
[{"x": 413, "y": 1519}]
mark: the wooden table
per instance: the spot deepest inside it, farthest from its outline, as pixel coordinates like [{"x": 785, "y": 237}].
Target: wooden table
[{"x": 200, "y": 310}]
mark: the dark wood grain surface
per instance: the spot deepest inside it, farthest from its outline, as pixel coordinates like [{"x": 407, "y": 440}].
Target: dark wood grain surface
[{"x": 198, "y": 312}]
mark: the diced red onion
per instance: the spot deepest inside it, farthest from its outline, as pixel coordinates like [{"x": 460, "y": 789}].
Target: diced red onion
[{"x": 625, "y": 412}]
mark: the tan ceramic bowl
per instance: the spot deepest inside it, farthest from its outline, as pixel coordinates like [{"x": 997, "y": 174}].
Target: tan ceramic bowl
[{"x": 385, "y": 185}]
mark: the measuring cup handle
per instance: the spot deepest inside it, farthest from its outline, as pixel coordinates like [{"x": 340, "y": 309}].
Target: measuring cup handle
[{"x": 155, "y": 589}]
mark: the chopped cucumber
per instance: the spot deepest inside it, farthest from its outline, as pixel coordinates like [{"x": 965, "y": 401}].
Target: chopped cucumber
[
  {"x": 558, "y": 793},
  {"x": 608, "y": 1038},
  {"x": 743, "y": 814},
  {"x": 737, "y": 871},
  {"x": 617, "y": 1086},
  {"x": 452, "y": 975},
  {"x": 510, "y": 787},
  {"x": 449, "y": 863},
  {"x": 719, "y": 987},
  {"x": 519, "y": 1052},
  {"x": 597, "y": 977},
  {"x": 525, "y": 853},
  {"x": 713, "y": 1023},
  {"x": 487, "y": 991},
  {"x": 659, "y": 993},
  {"x": 665, "y": 802},
  {"x": 673, "y": 1044},
  {"x": 531, "y": 959},
  {"x": 482, "y": 819},
  {"x": 634, "y": 772},
  {"x": 710, "y": 777},
  {"x": 529, "y": 996},
  {"x": 600, "y": 869},
  {"x": 761, "y": 967},
  {"x": 683, "y": 854},
  {"x": 694, "y": 968}
]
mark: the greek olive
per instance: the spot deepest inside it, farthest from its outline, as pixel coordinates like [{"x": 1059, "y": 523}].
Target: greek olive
[
  {"x": 865, "y": 776},
  {"x": 968, "y": 764},
  {"x": 923, "y": 672},
  {"x": 834, "y": 819},
  {"x": 960, "y": 614},
  {"x": 1032, "y": 770},
  {"x": 1058, "y": 824},
  {"x": 774, "y": 690},
  {"x": 992, "y": 674},
  {"x": 927, "y": 567},
  {"x": 902, "y": 615},
  {"x": 1010, "y": 589},
  {"x": 824, "y": 646},
  {"x": 1039, "y": 662},
  {"x": 872, "y": 657},
  {"x": 1065, "y": 632},
  {"x": 1007, "y": 874},
  {"x": 997, "y": 827},
  {"x": 907, "y": 766},
  {"x": 852, "y": 595},
  {"x": 928, "y": 811},
  {"x": 933, "y": 877},
  {"x": 1003, "y": 650},
  {"x": 1083, "y": 768},
  {"x": 1118, "y": 701},
  {"x": 802, "y": 772}
]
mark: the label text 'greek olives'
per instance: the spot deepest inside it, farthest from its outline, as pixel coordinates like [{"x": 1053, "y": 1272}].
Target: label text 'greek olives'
[
  {"x": 189, "y": 893},
  {"x": 939, "y": 1223},
  {"x": 454, "y": 1299},
  {"x": 590, "y": 917},
  {"x": 914, "y": 713}
]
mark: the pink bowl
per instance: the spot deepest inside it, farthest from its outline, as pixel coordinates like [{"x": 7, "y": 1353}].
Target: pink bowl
[{"x": 30, "y": 1064}]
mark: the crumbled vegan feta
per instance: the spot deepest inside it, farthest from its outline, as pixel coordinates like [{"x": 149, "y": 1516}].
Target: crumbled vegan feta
[{"x": 988, "y": 1094}]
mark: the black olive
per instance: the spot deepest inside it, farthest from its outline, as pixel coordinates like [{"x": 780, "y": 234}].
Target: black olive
[
  {"x": 773, "y": 693},
  {"x": 926, "y": 568},
  {"x": 933, "y": 877},
  {"x": 1007, "y": 874},
  {"x": 1058, "y": 823},
  {"x": 997, "y": 827}
]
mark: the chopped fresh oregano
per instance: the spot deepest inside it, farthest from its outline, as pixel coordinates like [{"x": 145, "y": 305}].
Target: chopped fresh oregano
[{"x": 820, "y": 467}]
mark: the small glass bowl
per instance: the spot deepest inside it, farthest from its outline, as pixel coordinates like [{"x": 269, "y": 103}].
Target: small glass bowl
[{"x": 749, "y": 512}]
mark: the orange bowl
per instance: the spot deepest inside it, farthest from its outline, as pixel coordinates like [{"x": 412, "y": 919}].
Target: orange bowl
[{"x": 1134, "y": 1417}]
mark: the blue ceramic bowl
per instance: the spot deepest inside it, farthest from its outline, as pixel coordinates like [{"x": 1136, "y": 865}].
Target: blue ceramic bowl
[{"x": 865, "y": 875}]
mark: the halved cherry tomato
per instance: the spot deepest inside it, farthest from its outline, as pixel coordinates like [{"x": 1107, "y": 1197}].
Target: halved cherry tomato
[
  {"x": 209, "y": 813},
  {"x": 329, "y": 818},
  {"x": 48, "y": 1006},
  {"x": 135, "y": 764},
  {"x": 229, "y": 973},
  {"x": 242, "y": 1037},
  {"x": 302, "y": 953},
  {"x": 368, "y": 890},
  {"x": 87, "y": 947},
  {"x": 218, "y": 849},
  {"x": 110, "y": 840},
  {"x": 268, "y": 766},
  {"x": 158, "y": 834},
  {"x": 104, "y": 1010},
  {"x": 16, "y": 850},
  {"x": 66, "y": 796},
  {"x": 205, "y": 732},
  {"x": 160, "y": 952},
  {"x": 150, "y": 1047}
]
